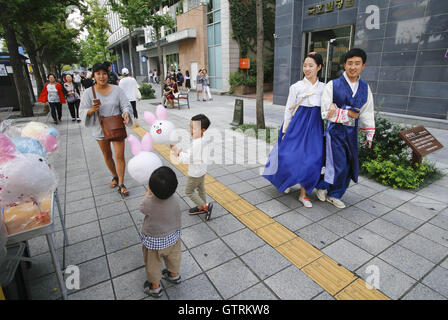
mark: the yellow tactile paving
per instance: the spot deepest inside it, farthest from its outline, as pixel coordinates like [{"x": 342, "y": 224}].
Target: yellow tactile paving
[
  {"x": 275, "y": 234},
  {"x": 239, "y": 207},
  {"x": 360, "y": 290},
  {"x": 299, "y": 252},
  {"x": 335, "y": 279},
  {"x": 329, "y": 275},
  {"x": 256, "y": 219}
]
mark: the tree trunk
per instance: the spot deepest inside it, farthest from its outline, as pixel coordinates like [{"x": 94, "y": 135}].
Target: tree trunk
[
  {"x": 260, "y": 65},
  {"x": 41, "y": 67},
  {"x": 20, "y": 79},
  {"x": 131, "y": 55},
  {"x": 159, "y": 53},
  {"x": 31, "y": 49}
]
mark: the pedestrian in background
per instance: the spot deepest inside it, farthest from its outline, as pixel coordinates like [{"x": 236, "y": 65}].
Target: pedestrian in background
[
  {"x": 54, "y": 95},
  {"x": 179, "y": 79},
  {"x": 187, "y": 81},
  {"x": 206, "y": 85},
  {"x": 156, "y": 77},
  {"x": 130, "y": 86},
  {"x": 199, "y": 85},
  {"x": 88, "y": 81},
  {"x": 72, "y": 96},
  {"x": 113, "y": 76}
]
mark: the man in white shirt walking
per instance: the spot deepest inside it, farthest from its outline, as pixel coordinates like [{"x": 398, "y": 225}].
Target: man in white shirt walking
[{"x": 130, "y": 87}]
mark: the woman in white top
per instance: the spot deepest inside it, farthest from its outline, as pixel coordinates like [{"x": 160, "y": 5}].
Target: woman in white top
[{"x": 297, "y": 156}]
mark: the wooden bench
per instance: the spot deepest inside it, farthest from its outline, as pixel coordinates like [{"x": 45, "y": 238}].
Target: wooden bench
[{"x": 182, "y": 96}]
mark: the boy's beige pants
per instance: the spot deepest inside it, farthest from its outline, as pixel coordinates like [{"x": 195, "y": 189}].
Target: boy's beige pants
[
  {"x": 153, "y": 261},
  {"x": 192, "y": 185}
]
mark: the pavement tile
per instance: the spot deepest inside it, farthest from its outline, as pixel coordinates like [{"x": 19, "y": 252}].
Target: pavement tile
[
  {"x": 362, "y": 190},
  {"x": 242, "y": 278},
  {"x": 434, "y": 233},
  {"x": 103, "y": 199},
  {"x": 92, "y": 272},
  {"x": 42, "y": 265},
  {"x": 79, "y": 195},
  {"x": 368, "y": 241},
  {"x": 121, "y": 239},
  {"x": 416, "y": 211},
  {"x": 293, "y": 284},
  {"x": 347, "y": 254},
  {"x": 197, "y": 288},
  {"x": 256, "y": 197},
  {"x": 445, "y": 264},
  {"x": 189, "y": 268},
  {"x": 387, "y": 200},
  {"x": 373, "y": 207},
  {"x": 324, "y": 296},
  {"x": 407, "y": 261},
  {"x": 435, "y": 192},
  {"x": 137, "y": 217},
  {"x": 317, "y": 235},
  {"x": 189, "y": 220},
  {"x": 80, "y": 218},
  {"x": 116, "y": 222},
  {"x": 428, "y": 203},
  {"x": 356, "y": 215},
  {"x": 79, "y": 205},
  {"x": 338, "y": 225},
  {"x": 84, "y": 251},
  {"x": 386, "y": 229},
  {"x": 84, "y": 232},
  {"x": 229, "y": 179},
  {"x": 438, "y": 281},
  {"x": 273, "y": 208},
  {"x": 257, "y": 292},
  {"x": 403, "y": 220},
  {"x": 246, "y": 175},
  {"x": 352, "y": 198},
  {"x": 225, "y": 224},
  {"x": 241, "y": 187},
  {"x": 265, "y": 261},
  {"x": 392, "y": 282},
  {"x": 133, "y": 203},
  {"x": 197, "y": 234},
  {"x": 422, "y": 292},
  {"x": 212, "y": 254},
  {"x": 129, "y": 286},
  {"x": 426, "y": 248},
  {"x": 125, "y": 260},
  {"x": 101, "y": 291},
  {"x": 290, "y": 200},
  {"x": 271, "y": 191},
  {"x": 243, "y": 241},
  {"x": 293, "y": 220},
  {"x": 400, "y": 194},
  {"x": 259, "y": 182},
  {"x": 315, "y": 213},
  {"x": 44, "y": 288},
  {"x": 441, "y": 220},
  {"x": 373, "y": 185},
  {"x": 111, "y": 210}
]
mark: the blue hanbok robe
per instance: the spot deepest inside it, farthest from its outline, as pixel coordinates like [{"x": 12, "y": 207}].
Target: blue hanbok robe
[
  {"x": 298, "y": 157},
  {"x": 341, "y": 163}
]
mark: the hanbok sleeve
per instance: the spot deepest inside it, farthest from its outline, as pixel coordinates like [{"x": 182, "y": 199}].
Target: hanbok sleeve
[
  {"x": 341, "y": 115},
  {"x": 367, "y": 117},
  {"x": 289, "y": 103}
]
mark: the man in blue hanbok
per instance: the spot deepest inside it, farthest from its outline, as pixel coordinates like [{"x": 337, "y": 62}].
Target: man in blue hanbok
[{"x": 347, "y": 104}]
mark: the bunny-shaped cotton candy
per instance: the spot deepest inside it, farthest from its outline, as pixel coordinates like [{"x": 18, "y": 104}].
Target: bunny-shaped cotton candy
[
  {"x": 46, "y": 135},
  {"x": 144, "y": 162},
  {"x": 23, "y": 177},
  {"x": 162, "y": 131}
]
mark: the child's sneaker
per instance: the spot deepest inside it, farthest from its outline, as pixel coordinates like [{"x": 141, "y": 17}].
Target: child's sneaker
[
  {"x": 156, "y": 293},
  {"x": 195, "y": 210},
  {"x": 208, "y": 213},
  {"x": 166, "y": 276}
]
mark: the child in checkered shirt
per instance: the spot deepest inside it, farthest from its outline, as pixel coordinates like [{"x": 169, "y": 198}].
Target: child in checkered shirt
[{"x": 161, "y": 231}]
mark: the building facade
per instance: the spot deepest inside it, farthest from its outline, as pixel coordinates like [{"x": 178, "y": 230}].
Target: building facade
[
  {"x": 201, "y": 39},
  {"x": 406, "y": 43}
]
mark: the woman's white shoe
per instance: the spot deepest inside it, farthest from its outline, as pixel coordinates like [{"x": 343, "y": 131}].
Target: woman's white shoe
[
  {"x": 287, "y": 190},
  {"x": 306, "y": 202}
]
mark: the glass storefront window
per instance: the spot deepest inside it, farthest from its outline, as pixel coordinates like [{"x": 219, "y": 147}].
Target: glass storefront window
[{"x": 214, "y": 43}]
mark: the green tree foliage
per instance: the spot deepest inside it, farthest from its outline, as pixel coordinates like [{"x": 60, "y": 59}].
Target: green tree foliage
[{"x": 94, "y": 47}]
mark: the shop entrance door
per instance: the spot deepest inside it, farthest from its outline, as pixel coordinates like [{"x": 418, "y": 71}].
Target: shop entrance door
[{"x": 332, "y": 44}]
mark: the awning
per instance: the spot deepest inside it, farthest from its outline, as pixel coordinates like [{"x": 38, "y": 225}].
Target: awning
[{"x": 171, "y": 38}]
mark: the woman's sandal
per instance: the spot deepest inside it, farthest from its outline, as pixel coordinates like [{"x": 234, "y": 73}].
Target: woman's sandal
[
  {"x": 114, "y": 182},
  {"x": 123, "y": 190}
]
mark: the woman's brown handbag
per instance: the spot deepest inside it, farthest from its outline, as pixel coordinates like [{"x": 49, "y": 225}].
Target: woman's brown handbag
[{"x": 113, "y": 127}]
